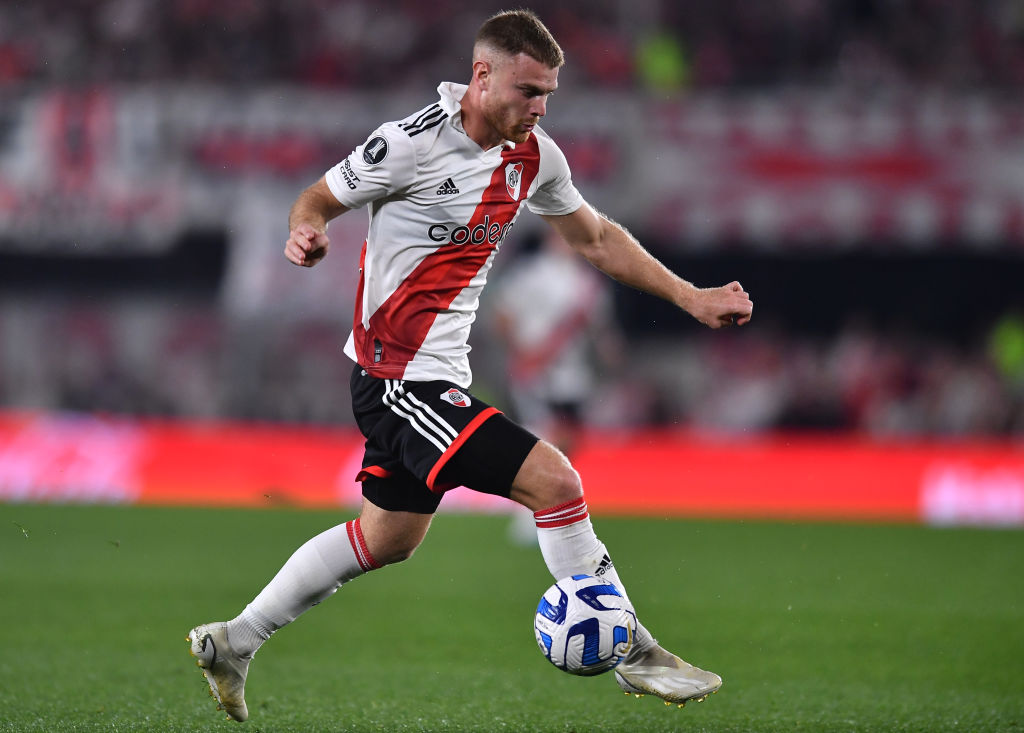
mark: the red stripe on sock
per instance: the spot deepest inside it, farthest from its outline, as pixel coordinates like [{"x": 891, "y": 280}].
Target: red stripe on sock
[
  {"x": 355, "y": 536},
  {"x": 562, "y": 515}
]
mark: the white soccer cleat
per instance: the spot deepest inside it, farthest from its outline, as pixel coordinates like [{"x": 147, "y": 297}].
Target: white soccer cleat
[
  {"x": 224, "y": 669},
  {"x": 655, "y": 671}
]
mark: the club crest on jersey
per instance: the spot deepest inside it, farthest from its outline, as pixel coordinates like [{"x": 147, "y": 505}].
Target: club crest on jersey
[
  {"x": 456, "y": 397},
  {"x": 375, "y": 150},
  {"x": 513, "y": 179}
]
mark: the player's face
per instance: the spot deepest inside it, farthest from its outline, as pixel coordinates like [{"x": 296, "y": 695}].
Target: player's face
[{"x": 516, "y": 96}]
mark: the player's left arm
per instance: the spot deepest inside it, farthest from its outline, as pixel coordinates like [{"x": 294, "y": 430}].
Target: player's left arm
[{"x": 614, "y": 251}]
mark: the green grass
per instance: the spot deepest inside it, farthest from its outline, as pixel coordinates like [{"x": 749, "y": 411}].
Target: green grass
[{"x": 813, "y": 627}]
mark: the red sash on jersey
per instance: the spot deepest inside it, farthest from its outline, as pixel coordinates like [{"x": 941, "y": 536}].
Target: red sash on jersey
[{"x": 399, "y": 326}]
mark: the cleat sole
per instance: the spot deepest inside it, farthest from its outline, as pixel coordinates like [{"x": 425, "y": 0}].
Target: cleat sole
[{"x": 637, "y": 694}]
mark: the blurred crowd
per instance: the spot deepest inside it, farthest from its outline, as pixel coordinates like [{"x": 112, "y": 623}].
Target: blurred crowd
[
  {"x": 895, "y": 385},
  {"x": 176, "y": 359},
  {"x": 661, "y": 44},
  {"x": 178, "y": 356}
]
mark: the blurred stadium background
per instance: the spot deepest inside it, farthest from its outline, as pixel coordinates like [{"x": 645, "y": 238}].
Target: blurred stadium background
[{"x": 857, "y": 164}]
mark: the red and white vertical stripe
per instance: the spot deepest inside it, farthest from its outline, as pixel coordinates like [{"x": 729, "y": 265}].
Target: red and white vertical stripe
[{"x": 363, "y": 556}]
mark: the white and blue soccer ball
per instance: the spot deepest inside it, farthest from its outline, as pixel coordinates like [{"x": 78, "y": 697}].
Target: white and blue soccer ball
[{"x": 584, "y": 625}]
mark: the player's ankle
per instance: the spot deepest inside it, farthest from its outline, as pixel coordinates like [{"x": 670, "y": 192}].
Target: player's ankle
[
  {"x": 247, "y": 633},
  {"x": 643, "y": 642}
]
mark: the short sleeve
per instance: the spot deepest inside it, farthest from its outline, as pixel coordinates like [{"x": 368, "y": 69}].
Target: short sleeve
[
  {"x": 384, "y": 164},
  {"x": 556, "y": 195}
]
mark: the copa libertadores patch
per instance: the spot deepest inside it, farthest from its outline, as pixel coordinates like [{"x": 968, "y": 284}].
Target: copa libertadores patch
[{"x": 375, "y": 150}]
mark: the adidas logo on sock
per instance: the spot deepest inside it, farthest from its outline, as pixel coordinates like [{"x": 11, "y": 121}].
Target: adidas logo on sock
[{"x": 447, "y": 188}]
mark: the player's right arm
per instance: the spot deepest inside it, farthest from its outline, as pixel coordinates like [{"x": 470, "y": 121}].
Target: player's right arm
[
  {"x": 307, "y": 241},
  {"x": 385, "y": 163}
]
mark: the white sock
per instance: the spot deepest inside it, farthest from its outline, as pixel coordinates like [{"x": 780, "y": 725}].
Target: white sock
[
  {"x": 570, "y": 546},
  {"x": 313, "y": 573}
]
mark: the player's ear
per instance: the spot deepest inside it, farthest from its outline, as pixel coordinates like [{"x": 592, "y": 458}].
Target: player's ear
[{"x": 481, "y": 73}]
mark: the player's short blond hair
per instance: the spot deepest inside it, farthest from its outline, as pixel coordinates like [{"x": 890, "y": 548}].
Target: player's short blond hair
[{"x": 521, "y": 31}]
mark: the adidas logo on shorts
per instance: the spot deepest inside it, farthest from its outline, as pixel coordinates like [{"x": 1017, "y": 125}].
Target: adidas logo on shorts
[{"x": 447, "y": 188}]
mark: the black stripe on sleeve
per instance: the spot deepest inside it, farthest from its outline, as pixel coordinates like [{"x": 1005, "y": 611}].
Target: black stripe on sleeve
[
  {"x": 435, "y": 123},
  {"x": 428, "y": 112}
]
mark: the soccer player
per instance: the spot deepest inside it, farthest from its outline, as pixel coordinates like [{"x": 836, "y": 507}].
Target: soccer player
[{"x": 444, "y": 186}]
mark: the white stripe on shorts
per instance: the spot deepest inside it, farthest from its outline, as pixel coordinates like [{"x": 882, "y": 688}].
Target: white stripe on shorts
[
  {"x": 426, "y": 409},
  {"x": 395, "y": 398}
]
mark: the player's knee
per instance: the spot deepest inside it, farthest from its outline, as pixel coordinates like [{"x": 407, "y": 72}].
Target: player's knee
[
  {"x": 395, "y": 550},
  {"x": 392, "y": 537},
  {"x": 565, "y": 486},
  {"x": 547, "y": 479}
]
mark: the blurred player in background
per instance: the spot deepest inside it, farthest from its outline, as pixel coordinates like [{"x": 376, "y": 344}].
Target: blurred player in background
[
  {"x": 444, "y": 187},
  {"x": 554, "y": 316}
]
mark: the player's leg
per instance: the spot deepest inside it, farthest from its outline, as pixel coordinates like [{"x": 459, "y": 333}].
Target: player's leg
[
  {"x": 314, "y": 572},
  {"x": 323, "y": 564},
  {"x": 396, "y": 515},
  {"x": 549, "y": 486}
]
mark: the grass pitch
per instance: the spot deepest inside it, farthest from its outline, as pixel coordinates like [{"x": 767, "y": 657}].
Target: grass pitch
[{"x": 813, "y": 627}]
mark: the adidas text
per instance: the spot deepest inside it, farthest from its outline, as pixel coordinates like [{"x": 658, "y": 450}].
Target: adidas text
[{"x": 448, "y": 188}]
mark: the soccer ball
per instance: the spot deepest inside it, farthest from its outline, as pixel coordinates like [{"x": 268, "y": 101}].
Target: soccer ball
[{"x": 584, "y": 625}]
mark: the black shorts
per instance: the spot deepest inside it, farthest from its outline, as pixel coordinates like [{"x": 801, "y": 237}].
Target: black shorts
[{"x": 424, "y": 438}]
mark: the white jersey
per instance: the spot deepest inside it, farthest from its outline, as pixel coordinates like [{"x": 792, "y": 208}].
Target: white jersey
[{"x": 440, "y": 206}]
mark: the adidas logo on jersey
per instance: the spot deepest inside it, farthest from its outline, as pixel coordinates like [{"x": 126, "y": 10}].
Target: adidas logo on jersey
[{"x": 448, "y": 188}]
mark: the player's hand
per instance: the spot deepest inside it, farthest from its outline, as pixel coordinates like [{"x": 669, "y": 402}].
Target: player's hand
[
  {"x": 306, "y": 246},
  {"x": 729, "y": 305}
]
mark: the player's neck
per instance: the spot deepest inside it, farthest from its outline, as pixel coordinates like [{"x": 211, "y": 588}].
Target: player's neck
[{"x": 475, "y": 124}]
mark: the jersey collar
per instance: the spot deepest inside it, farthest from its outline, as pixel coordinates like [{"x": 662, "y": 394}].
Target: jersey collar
[{"x": 451, "y": 102}]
